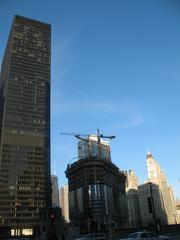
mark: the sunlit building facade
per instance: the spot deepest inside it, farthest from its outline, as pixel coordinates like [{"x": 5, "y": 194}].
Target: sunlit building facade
[
  {"x": 157, "y": 176},
  {"x": 91, "y": 148},
  {"x": 177, "y": 204},
  {"x": 132, "y": 184},
  {"x": 155, "y": 215},
  {"x": 64, "y": 202}
]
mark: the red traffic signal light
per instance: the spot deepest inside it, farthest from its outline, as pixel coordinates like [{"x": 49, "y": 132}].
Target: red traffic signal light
[
  {"x": 52, "y": 219},
  {"x": 17, "y": 205},
  {"x": 52, "y": 216}
]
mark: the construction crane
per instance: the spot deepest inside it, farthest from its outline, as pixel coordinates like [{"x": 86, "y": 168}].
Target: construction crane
[{"x": 89, "y": 140}]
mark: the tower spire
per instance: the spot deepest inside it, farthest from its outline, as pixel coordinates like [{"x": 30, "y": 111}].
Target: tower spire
[{"x": 149, "y": 154}]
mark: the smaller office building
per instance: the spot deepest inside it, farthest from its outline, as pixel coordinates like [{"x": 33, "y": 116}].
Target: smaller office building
[{"x": 151, "y": 205}]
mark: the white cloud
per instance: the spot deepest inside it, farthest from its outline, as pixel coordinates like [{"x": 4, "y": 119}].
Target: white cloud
[
  {"x": 135, "y": 121},
  {"x": 124, "y": 114}
]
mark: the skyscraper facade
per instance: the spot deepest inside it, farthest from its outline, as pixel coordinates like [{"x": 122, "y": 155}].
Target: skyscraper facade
[
  {"x": 132, "y": 181},
  {"x": 132, "y": 184},
  {"x": 55, "y": 191},
  {"x": 25, "y": 183},
  {"x": 91, "y": 148},
  {"x": 151, "y": 213},
  {"x": 157, "y": 176},
  {"x": 64, "y": 201},
  {"x": 177, "y": 204}
]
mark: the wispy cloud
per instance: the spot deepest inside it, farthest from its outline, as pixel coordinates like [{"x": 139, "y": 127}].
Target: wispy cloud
[
  {"x": 64, "y": 59},
  {"x": 118, "y": 114},
  {"x": 134, "y": 121},
  {"x": 94, "y": 105},
  {"x": 124, "y": 114}
]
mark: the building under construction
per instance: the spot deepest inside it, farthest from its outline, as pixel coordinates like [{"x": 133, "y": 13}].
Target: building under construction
[{"x": 97, "y": 197}]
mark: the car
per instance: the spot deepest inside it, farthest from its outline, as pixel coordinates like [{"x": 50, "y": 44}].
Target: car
[
  {"x": 93, "y": 236},
  {"x": 18, "y": 238},
  {"x": 146, "y": 235}
]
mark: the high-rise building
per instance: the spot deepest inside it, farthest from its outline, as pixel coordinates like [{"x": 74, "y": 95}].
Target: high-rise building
[
  {"x": 175, "y": 213},
  {"x": 97, "y": 195},
  {"x": 132, "y": 181},
  {"x": 151, "y": 205},
  {"x": 55, "y": 191},
  {"x": 157, "y": 176},
  {"x": 177, "y": 204},
  {"x": 132, "y": 184},
  {"x": 64, "y": 202},
  {"x": 25, "y": 182},
  {"x": 91, "y": 148}
]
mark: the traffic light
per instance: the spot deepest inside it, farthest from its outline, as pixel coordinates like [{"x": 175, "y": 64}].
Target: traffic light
[
  {"x": 52, "y": 218},
  {"x": 149, "y": 201},
  {"x": 17, "y": 205}
]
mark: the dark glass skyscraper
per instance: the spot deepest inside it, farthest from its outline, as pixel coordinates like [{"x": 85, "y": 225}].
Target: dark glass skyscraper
[{"x": 25, "y": 124}]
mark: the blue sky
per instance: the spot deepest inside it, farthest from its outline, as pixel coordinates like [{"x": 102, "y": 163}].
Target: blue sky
[{"x": 115, "y": 66}]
